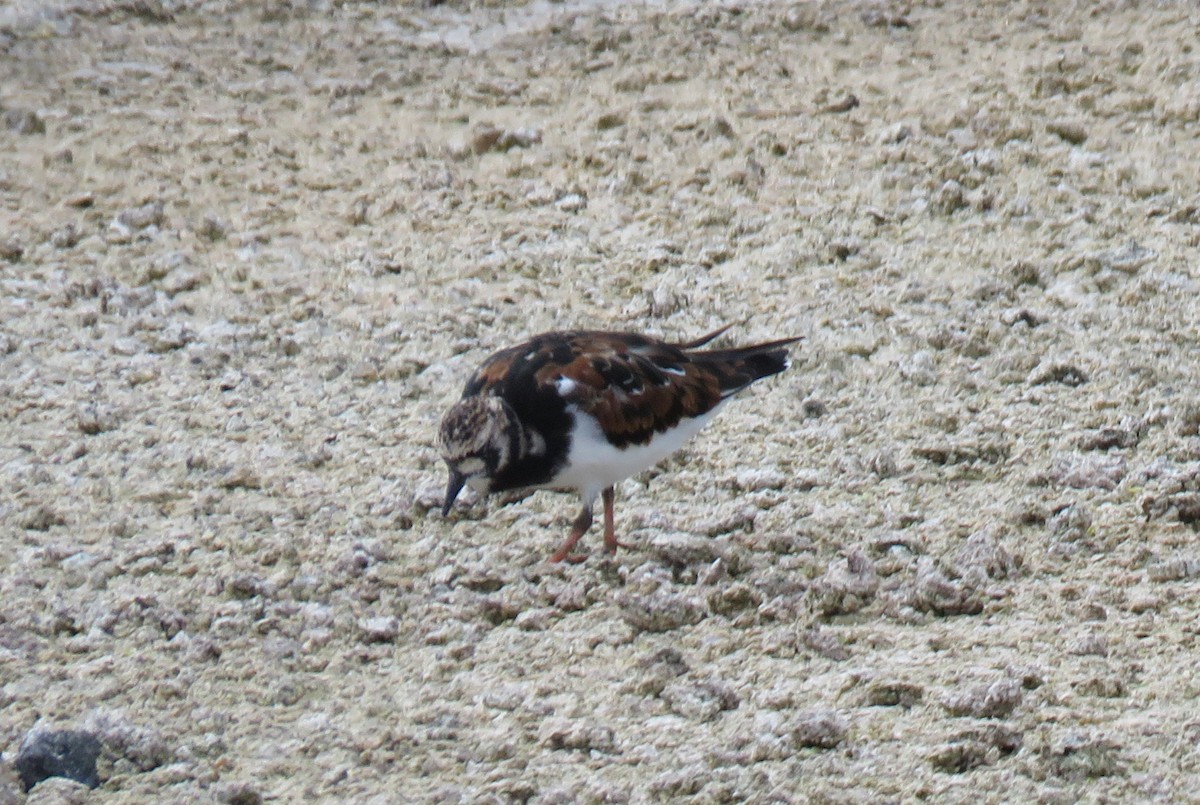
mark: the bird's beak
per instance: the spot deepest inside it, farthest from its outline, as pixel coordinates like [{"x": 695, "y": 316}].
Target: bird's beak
[{"x": 455, "y": 485}]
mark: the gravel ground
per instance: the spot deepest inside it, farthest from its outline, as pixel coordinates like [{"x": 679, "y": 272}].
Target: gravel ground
[{"x": 249, "y": 252}]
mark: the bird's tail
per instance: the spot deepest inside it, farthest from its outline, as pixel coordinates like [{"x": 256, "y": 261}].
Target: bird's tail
[{"x": 738, "y": 367}]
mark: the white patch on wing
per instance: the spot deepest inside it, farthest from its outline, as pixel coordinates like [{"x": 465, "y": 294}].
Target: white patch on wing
[
  {"x": 670, "y": 371},
  {"x": 564, "y": 386},
  {"x": 594, "y": 463}
]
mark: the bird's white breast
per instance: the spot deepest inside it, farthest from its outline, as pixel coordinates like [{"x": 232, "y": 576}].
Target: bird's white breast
[{"x": 593, "y": 463}]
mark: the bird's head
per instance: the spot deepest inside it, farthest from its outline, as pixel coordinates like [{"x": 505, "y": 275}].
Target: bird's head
[{"x": 475, "y": 440}]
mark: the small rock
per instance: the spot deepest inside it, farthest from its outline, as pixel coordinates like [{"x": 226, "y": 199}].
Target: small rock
[
  {"x": 1091, "y": 644},
  {"x": 950, "y": 197},
  {"x": 535, "y": 620},
  {"x": 759, "y": 478},
  {"x": 842, "y": 105},
  {"x": 382, "y": 629},
  {"x": 1055, "y": 372},
  {"x": 894, "y": 694},
  {"x": 847, "y": 586},
  {"x": 572, "y": 202},
  {"x": 733, "y": 598},
  {"x": 815, "y": 17},
  {"x": 213, "y": 228},
  {"x": 247, "y": 586},
  {"x": 813, "y": 408},
  {"x": 683, "y": 549},
  {"x": 65, "y": 237},
  {"x": 1108, "y": 439},
  {"x": 11, "y": 249},
  {"x": 573, "y": 597},
  {"x": 997, "y": 700},
  {"x": 239, "y": 793},
  {"x": 24, "y": 121},
  {"x": 1177, "y": 568},
  {"x": 1070, "y": 523},
  {"x": 820, "y": 729},
  {"x": 920, "y": 368},
  {"x": 1127, "y": 259},
  {"x": 1184, "y": 505},
  {"x": 240, "y": 477},
  {"x": 1073, "y": 131},
  {"x": 885, "y": 15},
  {"x": 147, "y": 215},
  {"x": 578, "y": 734},
  {"x": 661, "y": 611},
  {"x": 175, "y": 335},
  {"x": 489, "y": 138},
  {"x": 92, "y": 420},
  {"x": 984, "y": 553},
  {"x": 1092, "y": 471},
  {"x": 824, "y": 643},
  {"x": 699, "y": 701},
  {"x": 41, "y": 518},
  {"x": 142, "y": 747},
  {"x": 959, "y": 757},
  {"x": 58, "y": 753},
  {"x": 883, "y": 463},
  {"x": 933, "y": 592},
  {"x": 80, "y": 200},
  {"x": 610, "y": 120},
  {"x": 181, "y": 281},
  {"x": 1078, "y": 757}
]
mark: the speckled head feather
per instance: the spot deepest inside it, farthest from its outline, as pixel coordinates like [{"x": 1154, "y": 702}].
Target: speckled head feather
[{"x": 475, "y": 440}]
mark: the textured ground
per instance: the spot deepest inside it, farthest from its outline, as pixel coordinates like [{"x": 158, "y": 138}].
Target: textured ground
[{"x": 250, "y": 251}]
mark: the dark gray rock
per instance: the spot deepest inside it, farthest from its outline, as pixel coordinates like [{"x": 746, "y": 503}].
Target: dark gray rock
[{"x": 58, "y": 753}]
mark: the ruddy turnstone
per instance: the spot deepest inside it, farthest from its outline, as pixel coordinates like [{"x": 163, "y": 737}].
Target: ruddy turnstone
[{"x": 585, "y": 410}]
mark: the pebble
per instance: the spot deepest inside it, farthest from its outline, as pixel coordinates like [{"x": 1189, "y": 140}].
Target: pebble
[
  {"x": 699, "y": 701},
  {"x": 24, "y": 121},
  {"x": 894, "y": 693},
  {"x": 46, "y": 753},
  {"x": 571, "y": 202},
  {"x": 661, "y": 611},
  {"x": 995, "y": 700},
  {"x": 951, "y": 196},
  {"x": 1073, "y": 131},
  {"x": 933, "y": 592},
  {"x": 11, "y": 249},
  {"x": 683, "y": 549},
  {"x": 1091, "y": 471},
  {"x": 490, "y": 138},
  {"x": 1078, "y": 756},
  {"x": 577, "y": 734},
  {"x": 380, "y": 629},
  {"x": 149, "y": 214},
  {"x": 238, "y": 792},
  {"x": 984, "y": 552},
  {"x": 848, "y": 585},
  {"x": 920, "y": 368},
  {"x": 140, "y": 746},
  {"x": 820, "y": 729},
  {"x": 80, "y": 200}
]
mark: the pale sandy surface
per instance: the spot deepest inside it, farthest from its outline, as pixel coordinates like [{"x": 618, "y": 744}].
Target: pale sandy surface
[{"x": 252, "y": 250}]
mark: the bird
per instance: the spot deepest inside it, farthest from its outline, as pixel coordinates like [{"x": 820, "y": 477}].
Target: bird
[{"x": 583, "y": 410}]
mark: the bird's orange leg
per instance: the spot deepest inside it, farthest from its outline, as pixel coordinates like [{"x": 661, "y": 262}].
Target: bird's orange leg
[
  {"x": 610, "y": 535},
  {"x": 582, "y": 523}
]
